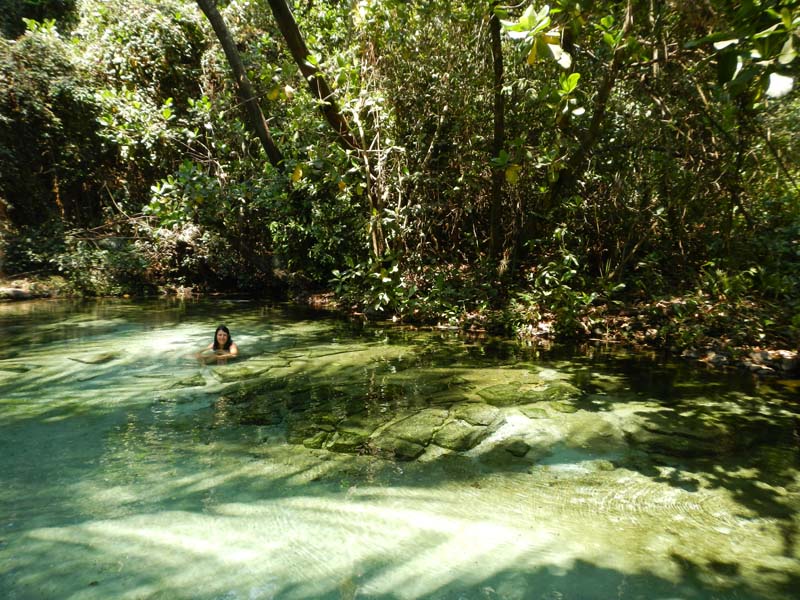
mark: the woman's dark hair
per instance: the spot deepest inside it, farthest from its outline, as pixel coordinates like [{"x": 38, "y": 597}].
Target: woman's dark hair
[{"x": 227, "y": 343}]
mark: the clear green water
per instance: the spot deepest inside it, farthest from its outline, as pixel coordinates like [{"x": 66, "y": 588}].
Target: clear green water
[{"x": 129, "y": 470}]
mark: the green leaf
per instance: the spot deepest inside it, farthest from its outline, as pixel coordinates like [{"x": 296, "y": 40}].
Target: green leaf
[
  {"x": 515, "y": 30},
  {"x": 529, "y": 23},
  {"x": 543, "y": 14},
  {"x": 766, "y": 32},
  {"x": 786, "y": 17},
  {"x": 512, "y": 174},
  {"x": 526, "y": 20},
  {"x": 568, "y": 83},
  {"x": 501, "y": 160},
  {"x": 541, "y": 26},
  {"x": 516, "y": 34},
  {"x": 788, "y": 53},
  {"x": 533, "y": 53}
]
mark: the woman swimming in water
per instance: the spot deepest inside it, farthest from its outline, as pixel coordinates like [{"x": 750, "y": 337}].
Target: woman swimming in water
[{"x": 223, "y": 347}]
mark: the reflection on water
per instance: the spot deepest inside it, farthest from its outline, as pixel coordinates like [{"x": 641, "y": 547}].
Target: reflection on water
[{"x": 342, "y": 461}]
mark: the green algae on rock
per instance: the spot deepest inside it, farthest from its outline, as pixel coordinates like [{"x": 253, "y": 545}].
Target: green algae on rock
[
  {"x": 476, "y": 413},
  {"x": 228, "y": 373},
  {"x": 193, "y": 381},
  {"x": 459, "y": 435}
]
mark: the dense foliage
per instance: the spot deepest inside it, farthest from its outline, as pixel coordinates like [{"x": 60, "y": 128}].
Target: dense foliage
[{"x": 647, "y": 165}]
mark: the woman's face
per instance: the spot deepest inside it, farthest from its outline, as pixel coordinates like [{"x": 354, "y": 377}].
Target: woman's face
[{"x": 222, "y": 337}]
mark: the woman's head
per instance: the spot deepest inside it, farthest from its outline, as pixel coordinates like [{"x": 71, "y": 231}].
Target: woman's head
[{"x": 222, "y": 338}]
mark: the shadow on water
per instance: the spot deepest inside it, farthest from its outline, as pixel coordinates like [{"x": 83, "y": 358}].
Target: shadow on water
[
  {"x": 173, "y": 464},
  {"x": 739, "y": 437},
  {"x": 156, "y": 561}
]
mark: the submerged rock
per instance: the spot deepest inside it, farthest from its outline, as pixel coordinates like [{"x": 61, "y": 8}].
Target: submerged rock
[
  {"x": 476, "y": 413},
  {"x": 509, "y": 394},
  {"x": 594, "y": 433},
  {"x": 504, "y": 394},
  {"x": 676, "y": 437},
  {"x": 557, "y": 391},
  {"x": 407, "y": 438},
  {"x": 226, "y": 374},
  {"x": 705, "y": 433},
  {"x": 255, "y": 389},
  {"x": 511, "y": 453},
  {"x": 194, "y": 381},
  {"x": 418, "y": 428},
  {"x": 534, "y": 412},
  {"x": 562, "y": 407},
  {"x": 427, "y": 382},
  {"x": 518, "y": 448},
  {"x": 317, "y": 441},
  {"x": 354, "y": 423},
  {"x": 397, "y": 447},
  {"x": 459, "y": 435},
  {"x": 347, "y": 441},
  {"x": 351, "y": 435},
  {"x": 259, "y": 413},
  {"x": 447, "y": 398},
  {"x": 97, "y": 359},
  {"x": 333, "y": 349}
]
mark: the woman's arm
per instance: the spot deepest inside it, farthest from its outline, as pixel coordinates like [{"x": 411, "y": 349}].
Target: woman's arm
[
  {"x": 210, "y": 355},
  {"x": 229, "y": 353},
  {"x": 204, "y": 352}
]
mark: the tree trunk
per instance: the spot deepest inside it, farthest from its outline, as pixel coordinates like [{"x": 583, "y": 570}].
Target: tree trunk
[
  {"x": 246, "y": 92},
  {"x": 495, "y": 211},
  {"x": 319, "y": 87},
  {"x": 577, "y": 162}
]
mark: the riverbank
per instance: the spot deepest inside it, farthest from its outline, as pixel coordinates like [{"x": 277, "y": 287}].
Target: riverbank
[
  {"x": 713, "y": 334},
  {"x": 720, "y": 334},
  {"x": 31, "y": 289}
]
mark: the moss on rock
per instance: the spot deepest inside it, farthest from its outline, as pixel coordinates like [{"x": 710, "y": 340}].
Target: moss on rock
[
  {"x": 195, "y": 381},
  {"x": 420, "y": 427},
  {"x": 534, "y": 412},
  {"x": 504, "y": 394},
  {"x": 227, "y": 374},
  {"x": 459, "y": 435},
  {"x": 476, "y": 413},
  {"x": 397, "y": 447}
]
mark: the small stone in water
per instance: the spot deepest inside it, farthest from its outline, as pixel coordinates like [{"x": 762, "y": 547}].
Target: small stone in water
[{"x": 518, "y": 448}]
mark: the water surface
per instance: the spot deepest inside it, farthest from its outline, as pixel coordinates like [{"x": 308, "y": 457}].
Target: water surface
[{"x": 340, "y": 461}]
